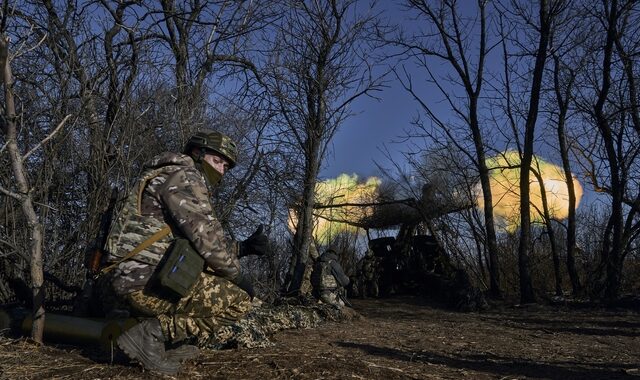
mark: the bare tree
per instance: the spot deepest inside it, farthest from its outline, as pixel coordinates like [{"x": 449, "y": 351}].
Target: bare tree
[
  {"x": 321, "y": 65},
  {"x": 610, "y": 102},
  {"x": 449, "y": 41},
  {"x": 23, "y": 191},
  {"x": 545, "y": 21},
  {"x": 541, "y": 17},
  {"x": 210, "y": 42},
  {"x": 563, "y": 93}
]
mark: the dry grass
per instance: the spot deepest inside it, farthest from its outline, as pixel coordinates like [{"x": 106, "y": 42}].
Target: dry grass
[{"x": 398, "y": 339}]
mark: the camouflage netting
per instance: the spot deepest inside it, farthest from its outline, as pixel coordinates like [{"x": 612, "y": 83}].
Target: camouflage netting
[{"x": 255, "y": 329}]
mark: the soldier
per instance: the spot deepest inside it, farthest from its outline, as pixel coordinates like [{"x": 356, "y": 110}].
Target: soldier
[
  {"x": 169, "y": 260},
  {"x": 328, "y": 279},
  {"x": 370, "y": 274}
]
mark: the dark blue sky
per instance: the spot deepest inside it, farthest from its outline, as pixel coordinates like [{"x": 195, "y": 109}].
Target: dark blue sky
[
  {"x": 359, "y": 142},
  {"x": 358, "y": 145}
]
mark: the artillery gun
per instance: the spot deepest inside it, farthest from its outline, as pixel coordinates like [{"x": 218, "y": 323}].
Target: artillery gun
[{"x": 411, "y": 262}]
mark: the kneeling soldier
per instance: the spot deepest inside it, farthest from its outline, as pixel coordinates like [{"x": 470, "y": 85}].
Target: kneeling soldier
[
  {"x": 169, "y": 261},
  {"x": 328, "y": 279}
]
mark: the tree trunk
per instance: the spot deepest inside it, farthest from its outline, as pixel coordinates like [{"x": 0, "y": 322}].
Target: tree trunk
[
  {"x": 524, "y": 249},
  {"x": 551, "y": 233},
  {"x": 563, "y": 106},
  {"x": 489, "y": 221},
  {"x": 483, "y": 171},
  {"x": 24, "y": 195},
  {"x": 612, "y": 247},
  {"x": 303, "y": 236},
  {"x": 480, "y": 249}
]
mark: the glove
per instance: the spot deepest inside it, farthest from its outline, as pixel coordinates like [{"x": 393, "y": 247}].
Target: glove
[
  {"x": 244, "y": 283},
  {"x": 256, "y": 244}
]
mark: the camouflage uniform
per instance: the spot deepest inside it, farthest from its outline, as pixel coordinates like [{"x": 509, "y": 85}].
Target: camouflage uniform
[
  {"x": 212, "y": 303},
  {"x": 328, "y": 279},
  {"x": 172, "y": 191},
  {"x": 370, "y": 275}
]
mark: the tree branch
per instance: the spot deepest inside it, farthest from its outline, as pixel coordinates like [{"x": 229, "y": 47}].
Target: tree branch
[{"x": 41, "y": 143}]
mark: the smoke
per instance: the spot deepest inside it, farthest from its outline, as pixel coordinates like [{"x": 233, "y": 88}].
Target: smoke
[
  {"x": 345, "y": 202},
  {"x": 505, "y": 190},
  {"x": 344, "y": 190}
]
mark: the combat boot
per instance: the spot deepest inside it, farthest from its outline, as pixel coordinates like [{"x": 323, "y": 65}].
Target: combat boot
[
  {"x": 144, "y": 342},
  {"x": 183, "y": 353}
]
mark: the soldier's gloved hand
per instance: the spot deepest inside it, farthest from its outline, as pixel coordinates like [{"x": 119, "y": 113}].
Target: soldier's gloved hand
[
  {"x": 244, "y": 283},
  {"x": 256, "y": 244}
]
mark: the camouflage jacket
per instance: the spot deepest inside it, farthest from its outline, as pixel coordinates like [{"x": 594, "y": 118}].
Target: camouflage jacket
[{"x": 177, "y": 195}]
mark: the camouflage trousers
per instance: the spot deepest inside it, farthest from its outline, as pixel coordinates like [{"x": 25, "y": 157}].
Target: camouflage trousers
[
  {"x": 370, "y": 288},
  {"x": 213, "y": 302}
]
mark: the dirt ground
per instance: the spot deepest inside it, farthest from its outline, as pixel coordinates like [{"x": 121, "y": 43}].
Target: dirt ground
[{"x": 400, "y": 338}]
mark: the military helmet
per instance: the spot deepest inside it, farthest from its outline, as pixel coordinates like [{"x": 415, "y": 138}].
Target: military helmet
[{"x": 216, "y": 142}]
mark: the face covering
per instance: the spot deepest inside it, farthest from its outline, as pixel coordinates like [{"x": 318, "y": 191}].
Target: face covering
[{"x": 212, "y": 175}]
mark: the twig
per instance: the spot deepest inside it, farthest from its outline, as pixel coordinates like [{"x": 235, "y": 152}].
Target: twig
[
  {"x": 381, "y": 366},
  {"x": 34, "y": 47},
  {"x": 47, "y": 206},
  {"x": 46, "y": 138},
  {"x": 16, "y": 196}
]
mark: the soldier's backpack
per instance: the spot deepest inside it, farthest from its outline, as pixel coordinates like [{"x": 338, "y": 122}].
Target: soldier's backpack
[{"x": 322, "y": 277}]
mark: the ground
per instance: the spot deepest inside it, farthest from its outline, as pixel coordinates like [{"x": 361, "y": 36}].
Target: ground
[{"x": 399, "y": 338}]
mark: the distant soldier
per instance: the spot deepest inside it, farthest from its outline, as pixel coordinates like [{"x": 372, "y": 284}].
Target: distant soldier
[
  {"x": 329, "y": 280},
  {"x": 169, "y": 261},
  {"x": 370, "y": 275}
]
